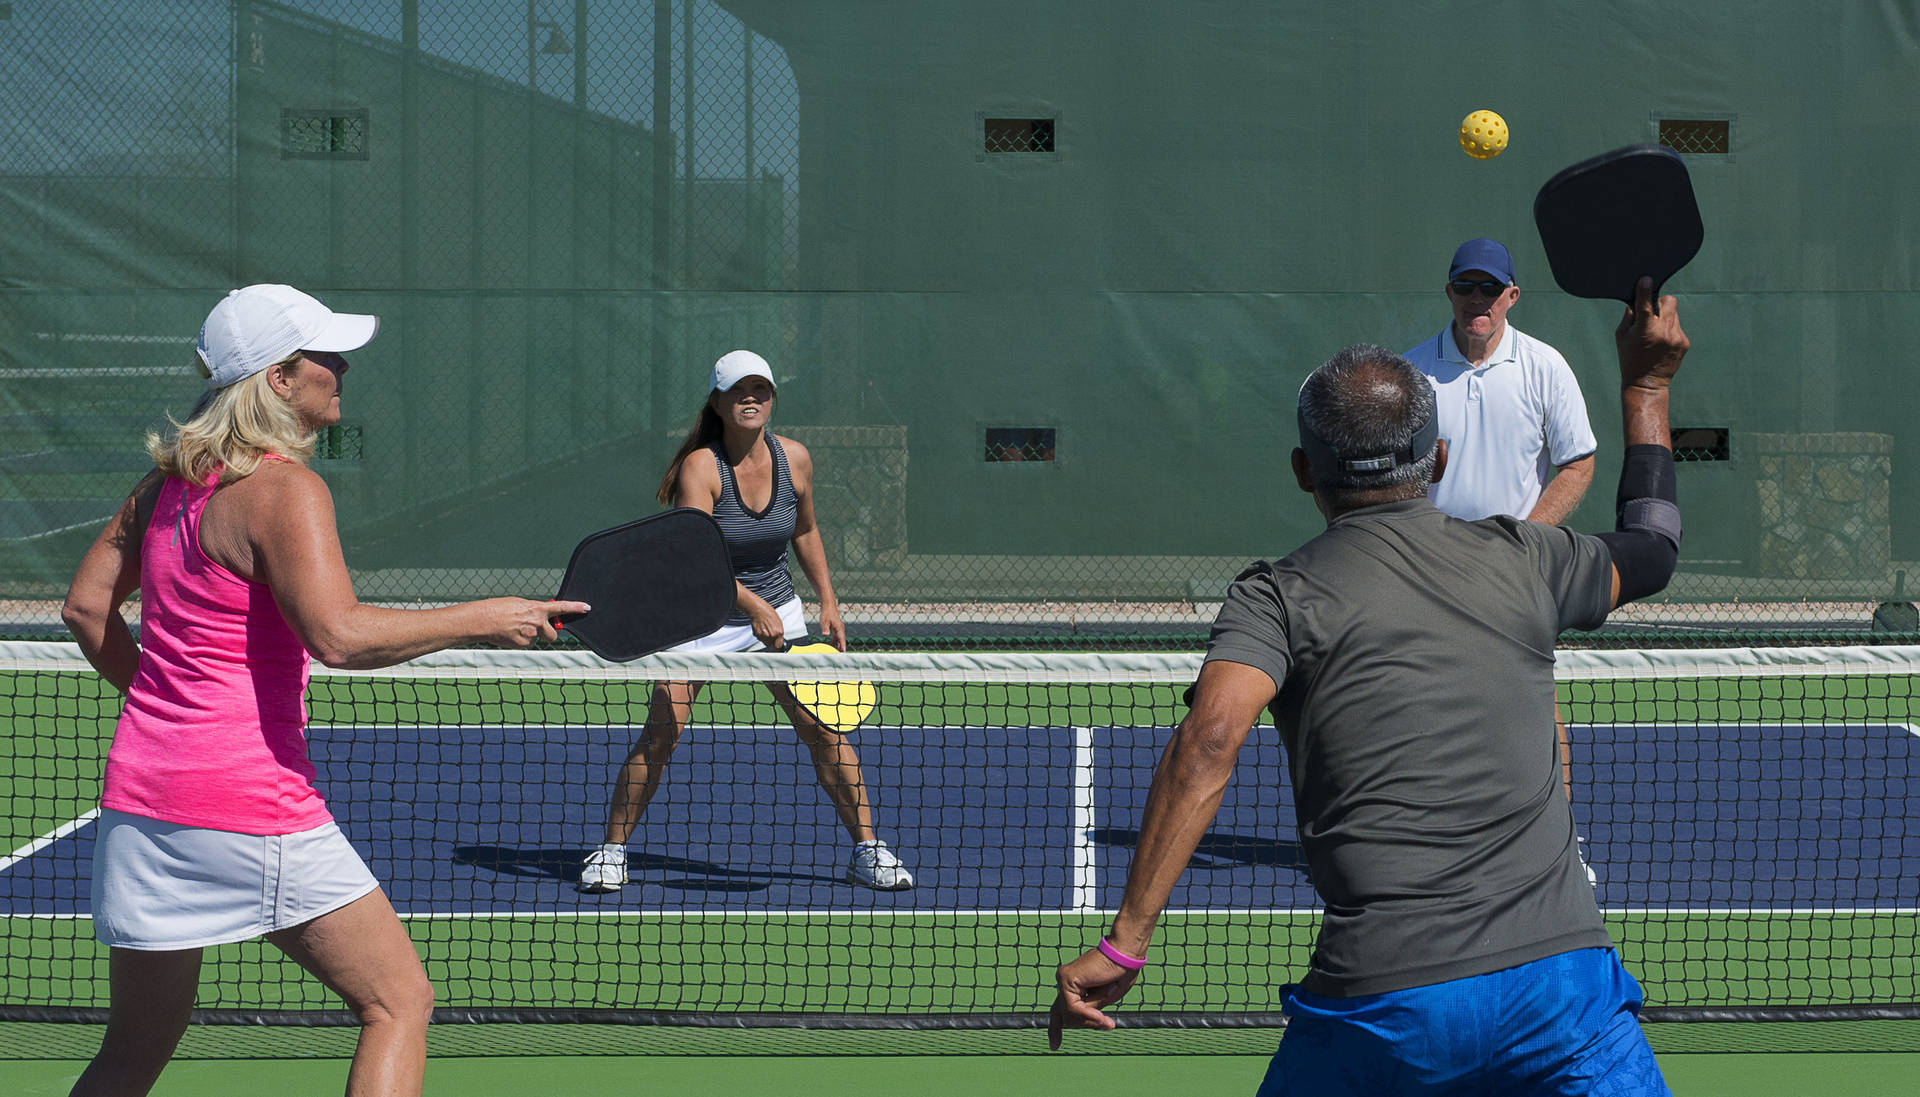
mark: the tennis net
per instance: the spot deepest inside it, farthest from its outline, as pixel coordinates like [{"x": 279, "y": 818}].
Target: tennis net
[{"x": 1749, "y": 813}]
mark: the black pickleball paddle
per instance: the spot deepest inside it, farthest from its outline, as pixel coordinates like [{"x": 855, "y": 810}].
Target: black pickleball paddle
[
  {"x": 1607, "y": 221},
  {"x": 654, "y": 583}
]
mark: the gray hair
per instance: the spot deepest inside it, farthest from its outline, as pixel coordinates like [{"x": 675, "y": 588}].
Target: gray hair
[{"x": 1365, "y": 401}]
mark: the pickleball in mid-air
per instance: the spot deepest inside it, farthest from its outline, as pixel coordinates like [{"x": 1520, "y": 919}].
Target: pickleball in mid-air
[{"x": 1483, "y": 135}]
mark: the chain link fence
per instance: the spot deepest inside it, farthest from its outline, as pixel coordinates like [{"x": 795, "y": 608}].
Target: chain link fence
[{"x": 1039, "y": 319}]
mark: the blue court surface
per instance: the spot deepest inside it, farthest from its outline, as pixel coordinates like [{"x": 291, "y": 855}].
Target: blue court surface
[{"x": 494, "y": 821}]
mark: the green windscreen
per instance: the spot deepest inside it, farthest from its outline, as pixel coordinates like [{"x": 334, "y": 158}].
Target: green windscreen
[{"x": 1038, "y": 282}]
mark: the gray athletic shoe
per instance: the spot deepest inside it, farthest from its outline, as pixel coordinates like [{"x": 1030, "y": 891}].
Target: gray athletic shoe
[
  {"x": 604, "y": 870},
  {"x": 874, "y": 866}
]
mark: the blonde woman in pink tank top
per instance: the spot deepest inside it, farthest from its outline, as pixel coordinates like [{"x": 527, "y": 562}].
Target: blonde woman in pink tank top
[{"x": 209, "y": 805}]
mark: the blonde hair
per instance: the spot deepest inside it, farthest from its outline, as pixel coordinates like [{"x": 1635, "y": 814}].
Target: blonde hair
[{"x": 232, "y": 429}]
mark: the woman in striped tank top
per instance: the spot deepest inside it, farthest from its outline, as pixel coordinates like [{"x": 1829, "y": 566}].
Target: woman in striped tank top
[
  {"x": 759, "y": 488},
  {"x": 211, "y": 829}
]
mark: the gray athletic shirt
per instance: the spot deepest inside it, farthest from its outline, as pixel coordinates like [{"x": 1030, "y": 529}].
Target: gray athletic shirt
[{"x": 1414, "y": 654}]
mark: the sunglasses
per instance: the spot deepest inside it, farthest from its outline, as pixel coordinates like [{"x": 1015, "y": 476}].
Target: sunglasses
[{"x": 1464, "y": 287}]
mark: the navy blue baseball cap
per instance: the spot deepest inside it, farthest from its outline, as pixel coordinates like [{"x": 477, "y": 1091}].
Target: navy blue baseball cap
[{"x": 1483, "y": 254}]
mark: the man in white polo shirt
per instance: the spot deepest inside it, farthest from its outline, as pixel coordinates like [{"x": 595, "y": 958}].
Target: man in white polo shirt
[
  {"x": 1518, "y": 440},
  {"x": 1515, "y": 423}
]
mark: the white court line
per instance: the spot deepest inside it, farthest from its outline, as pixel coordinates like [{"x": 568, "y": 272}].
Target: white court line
[
  {"x": 1910, "y": 729},
  {"x": 1739, "y": 724},
  {"x": 97, "y": 337},
  {"x": 47, "y": 839},
  {"x": 63, "y": 529},
  {"x": 1086, "y": 859}
]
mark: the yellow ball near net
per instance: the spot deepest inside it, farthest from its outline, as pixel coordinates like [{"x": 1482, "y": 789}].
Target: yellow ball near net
[{"x": 1483, "y": 135}]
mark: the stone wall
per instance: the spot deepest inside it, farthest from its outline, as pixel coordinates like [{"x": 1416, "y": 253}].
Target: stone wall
[
  {"x": 1824, "y": 509},
  {"x": 859, "y": 494}
]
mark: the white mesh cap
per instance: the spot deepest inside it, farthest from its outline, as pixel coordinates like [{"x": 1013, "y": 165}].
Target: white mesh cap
[
  {"x": 259, "y": 325},
  {"x": 736, "y": 365}
]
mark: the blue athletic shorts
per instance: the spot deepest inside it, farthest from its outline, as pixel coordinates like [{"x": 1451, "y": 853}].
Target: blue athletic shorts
[{"x": 1567, "y": 1024}]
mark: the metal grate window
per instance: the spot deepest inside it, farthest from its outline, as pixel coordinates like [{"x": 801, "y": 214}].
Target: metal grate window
[
  {"x": 1697, "y": 136},
  {"x": 1020, "y": 134},
  {"x": 1702, "y": 444},
  {"x": 323, "y": 134},
  {"x": 1020, "y": 444}
]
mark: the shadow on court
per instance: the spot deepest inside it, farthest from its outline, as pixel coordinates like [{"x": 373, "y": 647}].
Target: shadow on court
[
  {"x": 563, "y": 865},
  {"x": 1219, "y": 849}
]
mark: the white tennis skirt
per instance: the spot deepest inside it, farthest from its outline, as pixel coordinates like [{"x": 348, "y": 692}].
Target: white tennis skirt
[
  {"x": 163, "y": 886},
  {"x": 793, "y": 620}
]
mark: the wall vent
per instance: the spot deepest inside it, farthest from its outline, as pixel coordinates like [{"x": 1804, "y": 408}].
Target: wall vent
[
  {"x": 1702, "y": 444},
  {"x": 307, "y": 134},
  {"x": 1020, "y": 444},
  {"x": 1017, "y": 135},
  {"x": 1697, "y": 136}
]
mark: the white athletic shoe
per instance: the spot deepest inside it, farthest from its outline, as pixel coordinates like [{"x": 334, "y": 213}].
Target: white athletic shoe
[
  {"x": 874, "y": 866},
  {"x": 604, "y": 870},
  {"x": 1580, "y": 847}
]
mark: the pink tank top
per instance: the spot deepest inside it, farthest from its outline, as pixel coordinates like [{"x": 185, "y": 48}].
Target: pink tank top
[{"x": 214, "y": 730}]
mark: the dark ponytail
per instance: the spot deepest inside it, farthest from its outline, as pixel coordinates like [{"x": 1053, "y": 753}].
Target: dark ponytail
[{"x": 706, "y": 430}]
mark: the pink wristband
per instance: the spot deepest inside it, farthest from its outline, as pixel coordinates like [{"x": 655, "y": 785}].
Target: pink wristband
[{"x": 1131, "y": 963}]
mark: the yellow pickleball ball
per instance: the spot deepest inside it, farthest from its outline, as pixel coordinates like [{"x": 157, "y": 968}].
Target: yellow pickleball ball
[{"x": 1483, "y": 135}]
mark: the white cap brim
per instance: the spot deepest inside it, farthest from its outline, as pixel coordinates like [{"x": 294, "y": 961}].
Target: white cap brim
[{"x": 345, "y": 331}]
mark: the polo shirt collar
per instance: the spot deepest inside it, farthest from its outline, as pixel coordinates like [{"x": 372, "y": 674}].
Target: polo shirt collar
[
  {"x": 1507, "y": 350},
  {"x": 1397, "y": 508}
]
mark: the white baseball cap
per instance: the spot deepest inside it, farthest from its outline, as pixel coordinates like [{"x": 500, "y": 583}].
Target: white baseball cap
[
  {"x": 254, "y": 327},
  {"x": 736, "y": 365}
]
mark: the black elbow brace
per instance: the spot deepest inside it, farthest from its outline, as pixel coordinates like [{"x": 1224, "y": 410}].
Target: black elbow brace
[{"x": 1645, "y": 542}]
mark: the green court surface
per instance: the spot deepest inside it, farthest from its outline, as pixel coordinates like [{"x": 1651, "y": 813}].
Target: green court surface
[
  {"x": 1694, "y": 1075},
  {"x": 560, "y": 963}
]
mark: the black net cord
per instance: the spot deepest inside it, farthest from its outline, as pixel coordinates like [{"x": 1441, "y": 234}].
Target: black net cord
[{"x": 926, "y": 1022}]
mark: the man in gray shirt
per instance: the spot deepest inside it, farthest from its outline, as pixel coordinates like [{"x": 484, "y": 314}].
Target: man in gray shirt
[{"x": 1407, "y": 660}]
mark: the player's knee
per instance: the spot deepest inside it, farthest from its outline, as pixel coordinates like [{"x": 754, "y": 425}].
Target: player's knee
[
  {"x": 142, "y": 1050},
  {"x": 658, "y": 740},
  {"x": 819, "y": 738},
  {"x": 404, "y": 1000}
]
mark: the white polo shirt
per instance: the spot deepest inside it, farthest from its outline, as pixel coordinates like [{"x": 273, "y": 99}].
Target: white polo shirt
[{"x": 1508, "y": 424}]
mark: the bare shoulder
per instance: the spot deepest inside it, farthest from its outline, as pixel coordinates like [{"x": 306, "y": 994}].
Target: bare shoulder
[
  {"x": 286, "y": 477},
  {"x": 799, "y": 458},
  {"x": 282, "y": 493},
  {"x": 698, "y": 483},
  {"x": 699, "y": 460},
  {"x": 700, "y": 467}
]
